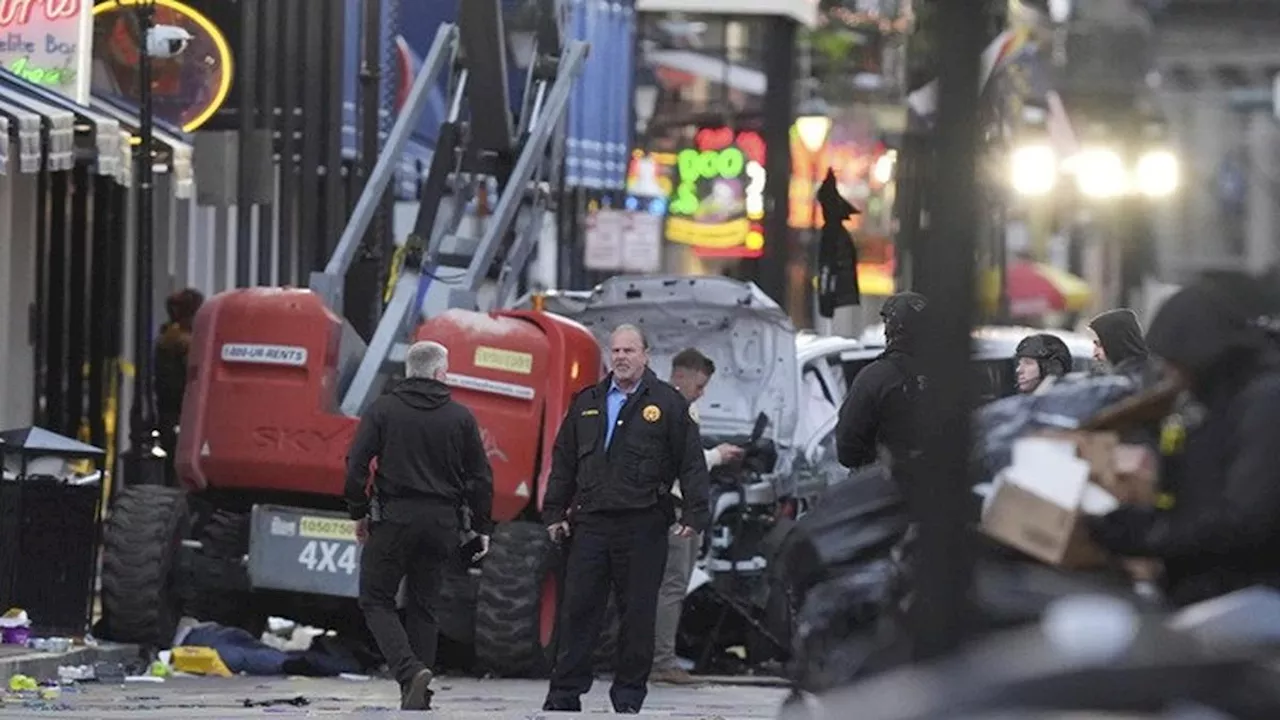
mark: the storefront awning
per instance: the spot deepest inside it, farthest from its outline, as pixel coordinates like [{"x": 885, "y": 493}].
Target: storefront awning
[
  {"x": 167, "y": 134},
  {"x": 23, "y": 127},
  {"x": 106, "y": 131},
  {"x": 58, "y": 125}
]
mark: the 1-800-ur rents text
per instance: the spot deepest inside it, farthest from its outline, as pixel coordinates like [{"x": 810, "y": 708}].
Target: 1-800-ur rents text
[{"x": 264, "y": 354}]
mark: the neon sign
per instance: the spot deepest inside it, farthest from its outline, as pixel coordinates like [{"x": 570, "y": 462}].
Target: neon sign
[
  {"x": 46, "y": 42},
  {"x": 717, "y": 205},
  {"x": 188, "y": 89}
]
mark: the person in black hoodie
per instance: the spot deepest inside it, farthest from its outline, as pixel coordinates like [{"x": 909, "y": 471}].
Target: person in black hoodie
[
  {"x": 879, "y": 410},
  {"x": 430, "y": 465},
  {"x": 1119, "y": 346},
  {"x": 1222, "y": 532}
]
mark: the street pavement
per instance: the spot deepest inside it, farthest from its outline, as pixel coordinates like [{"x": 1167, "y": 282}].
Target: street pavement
[{"x": 456, "y": 699}]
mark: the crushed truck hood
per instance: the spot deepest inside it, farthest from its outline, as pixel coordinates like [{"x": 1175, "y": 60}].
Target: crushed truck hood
[{"x": 747, "y": 335}]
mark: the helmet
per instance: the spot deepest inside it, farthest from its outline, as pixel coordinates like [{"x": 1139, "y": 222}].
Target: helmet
[
  {"x": 1049, "y": 351},
  {"x": 901, "y": 314}
]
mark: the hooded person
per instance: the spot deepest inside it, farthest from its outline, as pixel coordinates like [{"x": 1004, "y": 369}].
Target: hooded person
[
  {"x": 878, "y": 412},
  {"x": 1118, "y": 344},
  {"x": 1040, "y": 357},
  {"x": 1222, "y": 531}
]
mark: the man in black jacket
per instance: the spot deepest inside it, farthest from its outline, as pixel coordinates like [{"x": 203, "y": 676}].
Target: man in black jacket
[
  {"x": 430, "y": 463},
  {"x": 880, "y": 407},
  {"x": 622, "y": 445},
  {"x": 1118, "y": 345},
  {"x": 1222, "y": 532}
]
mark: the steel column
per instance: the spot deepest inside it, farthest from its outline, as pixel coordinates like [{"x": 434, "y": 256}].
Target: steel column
[{"x": 944, "y": 265}]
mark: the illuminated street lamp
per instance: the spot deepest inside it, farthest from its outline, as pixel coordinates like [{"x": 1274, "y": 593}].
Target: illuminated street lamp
[
  {"x": 813, "y": 124},
  {"x": 882, "y": 171},
  {"x": 1100, "y": 173},
  {"x": 1156, "y": 174},
  {"x": 1033, "y": 170}
]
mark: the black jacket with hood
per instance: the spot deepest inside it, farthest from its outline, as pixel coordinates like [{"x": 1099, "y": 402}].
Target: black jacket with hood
[
  {"x": 1120, "y": 335},
  {"x": 880, "y": 407},
  {"x": 429, "y": 453},
  {"x": 1223, "y": 532}
]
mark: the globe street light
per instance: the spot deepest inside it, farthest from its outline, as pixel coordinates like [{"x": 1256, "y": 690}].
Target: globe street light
[
  {"x": 1033, "y": 170},
  {"x": 813, "y": 125},
  {"x": 1156, "y": 174},
  {"x": 1100, "y": 173}
]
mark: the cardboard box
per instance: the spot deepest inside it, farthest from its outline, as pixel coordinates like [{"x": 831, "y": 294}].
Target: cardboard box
[
  {"x": 1136, "y": 474},
  {"x": 1039, "y": 504},
  {"x": 1096, "y": 448}
]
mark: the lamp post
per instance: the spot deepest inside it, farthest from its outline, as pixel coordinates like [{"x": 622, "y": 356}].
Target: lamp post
[
  {"x": 148, "y": 456},
  {"x": 813, "y": 125}
]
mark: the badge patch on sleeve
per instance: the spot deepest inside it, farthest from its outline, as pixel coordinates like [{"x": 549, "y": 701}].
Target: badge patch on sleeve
[
  {"x": 590, "y": 412},
  {"x": 651, "y": 413}
]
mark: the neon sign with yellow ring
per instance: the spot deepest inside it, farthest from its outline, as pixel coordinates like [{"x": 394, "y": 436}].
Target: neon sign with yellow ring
[{"x": 220, "y": 46}]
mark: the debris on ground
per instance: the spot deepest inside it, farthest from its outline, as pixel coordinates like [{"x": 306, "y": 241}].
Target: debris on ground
[
  {"x": 15, "y": 627},
  {"x": 298, "y": 701}
]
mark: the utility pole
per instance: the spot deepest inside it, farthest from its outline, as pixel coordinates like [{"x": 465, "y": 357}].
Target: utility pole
[
  {"x": 148, "y": 456},
  {"x": 363, "y": 284},
  {"x": 771, "y": 269},
  {"x": 943, "y": 263}
]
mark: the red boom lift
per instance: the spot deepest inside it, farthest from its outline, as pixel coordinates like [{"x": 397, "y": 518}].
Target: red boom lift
[{"x": 277, "y": 380}]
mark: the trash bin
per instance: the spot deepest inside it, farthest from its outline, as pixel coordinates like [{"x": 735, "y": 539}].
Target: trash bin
[{"x": 50, "y": 529}]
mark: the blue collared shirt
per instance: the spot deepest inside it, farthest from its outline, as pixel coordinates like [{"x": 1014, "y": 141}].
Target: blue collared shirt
[{"x": 614, "y": 401}]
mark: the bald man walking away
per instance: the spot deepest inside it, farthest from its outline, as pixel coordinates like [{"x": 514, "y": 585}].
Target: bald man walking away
[
  {"x": 431, "y": 463},
  {"x": 623, "y": 444}
]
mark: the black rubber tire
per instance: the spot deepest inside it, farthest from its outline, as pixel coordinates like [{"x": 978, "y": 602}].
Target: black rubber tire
[
  {"x": 508, "y": 601},
  {"x": 141, "y": 598},
  {"x": 219, "y": 586}
]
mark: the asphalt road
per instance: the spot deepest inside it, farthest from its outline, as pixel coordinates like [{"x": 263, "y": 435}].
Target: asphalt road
[{"x": 456, "y": 699}]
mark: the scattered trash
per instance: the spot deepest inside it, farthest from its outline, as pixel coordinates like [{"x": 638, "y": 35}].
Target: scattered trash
[
  {"x": 15, "y": 627},
  {"x": 20, "y": 683},
  {"x": 159, "y": 669},
  {"x": 354, "y": 677},
  {"x": 75, "y": 673},
  {"x": 50, "y": 693},
  {"x": 199, "y": 661},
  {"x": 298, "y": 701},
  {"x": 50, "y": 645},
  {"x": 143, "y": 679}
]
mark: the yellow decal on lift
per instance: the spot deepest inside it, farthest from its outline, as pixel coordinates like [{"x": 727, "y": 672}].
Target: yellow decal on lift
[
  {"x": 327, "y": 528},
  {"x": 506, "y": 360}
]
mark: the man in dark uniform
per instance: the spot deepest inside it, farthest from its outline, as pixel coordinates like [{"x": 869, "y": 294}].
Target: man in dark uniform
[
  {"x": 879, "y": 411},
  {"x": 624, "y": 442},
  {"x": 431, "y": 463}
]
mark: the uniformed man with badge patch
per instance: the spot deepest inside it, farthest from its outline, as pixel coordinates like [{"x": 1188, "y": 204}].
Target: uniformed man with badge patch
[{"x": 623, "y": 444}]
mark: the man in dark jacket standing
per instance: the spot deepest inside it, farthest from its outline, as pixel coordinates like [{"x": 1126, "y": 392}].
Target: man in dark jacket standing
[
  {"x": 1223, "y": 531},
  {"x": 430, "y": 464},
  {"x": 1118, "y": 345},
  {"x": 880, "y": 407},
  {"x": 622, "y": 445}
]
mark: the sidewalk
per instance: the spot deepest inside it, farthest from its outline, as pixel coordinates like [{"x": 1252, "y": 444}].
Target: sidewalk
[{"x": 17, "y": 660}]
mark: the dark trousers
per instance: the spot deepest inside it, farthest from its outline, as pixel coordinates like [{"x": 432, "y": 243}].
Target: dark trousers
[
  {"x": 625, "y": 553},
  {"x": 417, "y": 550}
]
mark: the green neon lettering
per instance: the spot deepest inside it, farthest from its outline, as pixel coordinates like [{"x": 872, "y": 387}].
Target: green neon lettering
[
  {"x": 731, "y": 163},
  {"x": 23, "y": 68}
]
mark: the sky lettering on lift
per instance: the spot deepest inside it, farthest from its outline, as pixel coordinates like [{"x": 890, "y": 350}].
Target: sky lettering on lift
[{"x": 29, "y": 50}]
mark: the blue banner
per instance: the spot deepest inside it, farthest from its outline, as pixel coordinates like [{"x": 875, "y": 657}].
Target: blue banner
[{"x": 599, "y": 132}]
